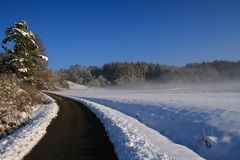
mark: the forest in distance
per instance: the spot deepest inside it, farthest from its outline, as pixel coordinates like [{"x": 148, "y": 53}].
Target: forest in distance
[{"x": 121, "y": 73}]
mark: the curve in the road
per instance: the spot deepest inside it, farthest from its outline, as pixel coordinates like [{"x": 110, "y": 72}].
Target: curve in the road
[{"x": 76, "y": 133}]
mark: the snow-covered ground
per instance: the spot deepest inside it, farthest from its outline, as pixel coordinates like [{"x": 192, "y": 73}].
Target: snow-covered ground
[
  {"x": 17, "y": 145},
  {"x": 134, "y": 140},
  {"x": 204, "y": 119},
  {"x": 76, "y": 86}
]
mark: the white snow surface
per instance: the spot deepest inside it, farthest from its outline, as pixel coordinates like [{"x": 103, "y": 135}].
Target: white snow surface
[
  {"x": 20, "y": 143},
  {"x": 75, "y": 86},
  {"x": 45, "y": 58},
  {"x": 204, "y": 119},
  {"x": 134, "y": 140}
]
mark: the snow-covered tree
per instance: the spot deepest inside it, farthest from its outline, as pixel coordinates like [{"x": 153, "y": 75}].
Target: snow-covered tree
[{"x": 24, "y": 57}]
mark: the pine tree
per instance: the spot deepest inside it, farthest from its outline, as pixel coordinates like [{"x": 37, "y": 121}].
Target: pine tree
[{"x": 25, "y": 56}]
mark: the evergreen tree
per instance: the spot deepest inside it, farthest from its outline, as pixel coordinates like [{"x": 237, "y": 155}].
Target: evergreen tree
[{"x": 24, "y": 59}]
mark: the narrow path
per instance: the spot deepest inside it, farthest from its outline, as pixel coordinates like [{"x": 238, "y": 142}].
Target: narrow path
[{"x": 75, "y": 134}]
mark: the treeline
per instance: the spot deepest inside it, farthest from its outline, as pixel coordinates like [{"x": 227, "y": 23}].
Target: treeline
[{"x": 120, "y": 73}]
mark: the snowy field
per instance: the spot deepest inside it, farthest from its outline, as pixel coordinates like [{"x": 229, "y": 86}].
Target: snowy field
[
  {"x": 18, "y": 144},
  {"x": 134, "y": 140},
  {"x": 204, "y": 118}
]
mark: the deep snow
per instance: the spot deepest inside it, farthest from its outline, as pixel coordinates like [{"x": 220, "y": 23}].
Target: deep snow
[
  {"x": 18, "y": 144},
  {"x": 206, "y": 121},
  {"x": 133, "y": 140}
]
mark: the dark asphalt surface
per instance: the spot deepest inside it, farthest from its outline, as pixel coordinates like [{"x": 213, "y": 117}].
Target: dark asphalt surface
[{"x": 76, "y": 134}]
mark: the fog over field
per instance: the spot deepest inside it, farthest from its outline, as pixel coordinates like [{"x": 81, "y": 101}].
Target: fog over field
[{"x": 226, "y": 86}]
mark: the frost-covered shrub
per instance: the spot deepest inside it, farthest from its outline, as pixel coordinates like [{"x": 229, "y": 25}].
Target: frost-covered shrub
[
  {"x": 16, "y": 102},
  {"x": 56, "y": 81}
]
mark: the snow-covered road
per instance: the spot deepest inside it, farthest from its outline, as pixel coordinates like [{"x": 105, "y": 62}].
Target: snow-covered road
[{"x": 76, "y": 133}]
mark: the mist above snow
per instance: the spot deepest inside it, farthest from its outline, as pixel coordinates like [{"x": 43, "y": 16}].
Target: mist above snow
[{"x": 227, "y": 86}]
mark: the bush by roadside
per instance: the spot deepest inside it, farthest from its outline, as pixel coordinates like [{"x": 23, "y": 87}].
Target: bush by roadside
[
  {"x": 56, "y": 81},
  {"x": 17, "y": 101}
]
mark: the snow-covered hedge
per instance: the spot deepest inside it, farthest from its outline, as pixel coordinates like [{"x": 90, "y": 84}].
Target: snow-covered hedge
[
  {"x": 20, "y": 143},
  {"x": 17, "y": 100}
]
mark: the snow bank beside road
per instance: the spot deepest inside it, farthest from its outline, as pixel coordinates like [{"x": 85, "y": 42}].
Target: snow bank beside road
[
  {"x": 133, "y": 140},
  {"x": 17, "y": 145},
  {"x": 188, "y": 117},
  {"x": 190, "y": 126}
]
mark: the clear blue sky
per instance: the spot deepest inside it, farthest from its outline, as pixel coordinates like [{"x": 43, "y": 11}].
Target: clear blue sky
[{"x": 161, "y": 31}]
